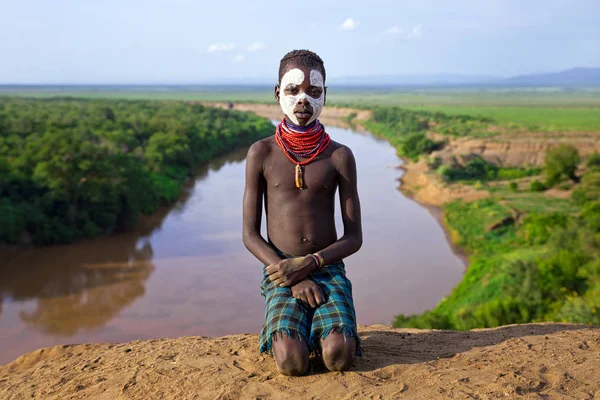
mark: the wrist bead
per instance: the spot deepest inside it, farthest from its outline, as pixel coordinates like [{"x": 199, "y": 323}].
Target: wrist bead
[{"x": 316, "y": 260}]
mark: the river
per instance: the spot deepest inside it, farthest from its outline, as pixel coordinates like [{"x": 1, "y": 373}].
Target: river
[{"x": 184, "y": 270}]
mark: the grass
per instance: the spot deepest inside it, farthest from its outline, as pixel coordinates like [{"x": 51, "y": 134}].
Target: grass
[
  {"x": 547, "y": 119},
  {"x": 538, "y": 109},
  {"x": 532, "y": 202}
]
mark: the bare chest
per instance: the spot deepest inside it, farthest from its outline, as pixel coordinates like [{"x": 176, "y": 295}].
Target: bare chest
[{"x": 317, "y": 176}]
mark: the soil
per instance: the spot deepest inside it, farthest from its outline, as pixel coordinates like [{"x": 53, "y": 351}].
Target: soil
[{"x": 532, "y": 361}]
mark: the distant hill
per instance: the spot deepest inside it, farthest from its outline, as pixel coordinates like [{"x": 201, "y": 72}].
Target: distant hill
[
  {"x": 570, "y": 77},
  {"x": 413, "y": 80},
  {"x": 574, "y": 77}
]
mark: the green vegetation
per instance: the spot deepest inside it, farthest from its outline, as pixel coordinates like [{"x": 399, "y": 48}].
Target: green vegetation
[
  {"x": 544, "y": 266},
  {"x": 593, "y": 161},
  {"x": 533, "y": 258},
  {"x": 539, "y": 109},
  {"x": 79, "y": 168},
  {"x": 477, "y": 169},
  {"x": 561, "y": 163},
  {"x": 537, "y": 186},
  {"x": 406, "y": 129},
  {"x": 544, "y": 119}
]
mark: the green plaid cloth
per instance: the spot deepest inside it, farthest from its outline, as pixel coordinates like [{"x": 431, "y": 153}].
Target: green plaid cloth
[{"x": 287, "y": 315}]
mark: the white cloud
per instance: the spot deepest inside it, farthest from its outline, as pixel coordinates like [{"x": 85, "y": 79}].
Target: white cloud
[
  {"x": 239, "y": 58},
  {"x": 256, "y": 46},
  {"x": 349, "y": 24},
  {"x": 394, "y": 30},
  {"x": 415, "y": 33},
  {"x": 220, "y": 47}
]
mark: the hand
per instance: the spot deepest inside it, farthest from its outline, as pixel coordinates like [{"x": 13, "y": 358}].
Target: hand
[
  {"x": 290, "y": 271},
  {"x": 309, "y": 292}
]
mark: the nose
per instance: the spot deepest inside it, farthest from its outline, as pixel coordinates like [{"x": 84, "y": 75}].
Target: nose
[{"x": 303, "y": 99}]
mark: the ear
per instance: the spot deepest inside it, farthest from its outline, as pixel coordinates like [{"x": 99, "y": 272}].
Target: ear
[
  {"x": 324, "y": 95},
  {"x": 277, "y": 93}
]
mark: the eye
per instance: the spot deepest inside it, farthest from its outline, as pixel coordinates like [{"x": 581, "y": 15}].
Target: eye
[
  {"x": 292, "y": 89},
  {"x": 315, "y": 92}
]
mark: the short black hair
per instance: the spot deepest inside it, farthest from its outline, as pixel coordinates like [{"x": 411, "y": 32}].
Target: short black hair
[{"x": 304, "y": 58}]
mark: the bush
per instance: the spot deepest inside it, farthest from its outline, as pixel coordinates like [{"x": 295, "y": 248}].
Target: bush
[
  {"x": 475, "y": 169},
  {"x": 537, "y": 228},
  {"x": 418, "y": 144},
  {"x": 508, "y": 173},
  {"x": 564, "y": 185},
  {"x": 537, "y": 186},
  {"x": 513, "y": 186},
  {"x": 561, "y": 163},
  {"x": 588, "y": 189},
  {"x": 593, "y": 160}
]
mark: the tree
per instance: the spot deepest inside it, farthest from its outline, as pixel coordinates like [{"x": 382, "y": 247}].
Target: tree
[{"x": 561, "y": 163}]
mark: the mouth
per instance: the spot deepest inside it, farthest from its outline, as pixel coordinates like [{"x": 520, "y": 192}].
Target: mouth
[{"x": 303, "y": 114}]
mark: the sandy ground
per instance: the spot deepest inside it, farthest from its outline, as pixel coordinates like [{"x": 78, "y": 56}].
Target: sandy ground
[{"x": 533, "y": 361}]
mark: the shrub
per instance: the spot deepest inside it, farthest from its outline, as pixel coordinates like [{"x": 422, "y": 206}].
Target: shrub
[
  {"x": 513, "y": 186},
  {"x": 593, "y": 160},
  {"x": 561, "y": 164},
  {"x": 418, "y": 144},
  {"x": 537, "y": 186},
  {"x": 588, "y": 189},
  {"x": 475, "y": 169}
]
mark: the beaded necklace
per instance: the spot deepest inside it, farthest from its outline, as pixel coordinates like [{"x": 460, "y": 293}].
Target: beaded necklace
[{"x": 300, "y": 141}]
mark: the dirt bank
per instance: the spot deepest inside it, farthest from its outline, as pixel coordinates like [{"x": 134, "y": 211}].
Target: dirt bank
[
  {"x": 520, "y": 149},
  {"x": 533, "y": 361},
  {"x": 330, "y": 116}
]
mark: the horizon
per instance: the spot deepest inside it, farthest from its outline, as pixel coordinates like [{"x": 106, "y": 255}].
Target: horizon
[{"x": 470, "y": 80}]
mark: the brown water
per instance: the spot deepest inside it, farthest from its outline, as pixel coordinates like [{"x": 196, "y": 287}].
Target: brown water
[{"x": 184, "y": 270}]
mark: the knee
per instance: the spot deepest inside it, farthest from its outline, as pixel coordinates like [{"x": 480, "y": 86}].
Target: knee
[
  {"x": 292, "y": 364},
  {"x": 291, "y": 358},
  {"x": 338, "y": 356},
  {"x": 292, "y": 367}
]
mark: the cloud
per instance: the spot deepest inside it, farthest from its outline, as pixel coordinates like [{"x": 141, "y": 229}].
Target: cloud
[
  {"x": 239, "y": 58},
  {"x": 394, "y": 30},
  {"x": 256, "y": 46},
  {"x": 398, "y": 32},
  {"x": 415, "y": 33},
  {"x": 220, "y": 47},
  {"x": 349, "y": 24}
]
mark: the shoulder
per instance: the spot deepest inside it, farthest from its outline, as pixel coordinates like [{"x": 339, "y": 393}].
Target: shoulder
[
  {"x": 261, "y": 149},
  {"x": 341, "y": 154}
]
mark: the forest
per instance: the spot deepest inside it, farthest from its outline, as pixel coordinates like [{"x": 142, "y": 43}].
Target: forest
[{"x": 77, "y": 168}]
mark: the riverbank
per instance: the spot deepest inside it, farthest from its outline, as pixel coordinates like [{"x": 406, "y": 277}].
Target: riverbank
[{"x": 519, "y": 361}]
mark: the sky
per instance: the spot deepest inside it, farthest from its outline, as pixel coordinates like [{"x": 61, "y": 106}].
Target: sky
[{"x": 199, "y": 41}]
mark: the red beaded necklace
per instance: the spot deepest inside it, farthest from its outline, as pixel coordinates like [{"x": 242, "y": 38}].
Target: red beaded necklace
[{"x": 301, "y": 142}]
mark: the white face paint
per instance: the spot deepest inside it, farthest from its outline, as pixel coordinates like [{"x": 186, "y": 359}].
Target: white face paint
[{"x": 295, "y": 77}]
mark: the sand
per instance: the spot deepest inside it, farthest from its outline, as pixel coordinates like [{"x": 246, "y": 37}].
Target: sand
[{"x": 533, "y": 361}]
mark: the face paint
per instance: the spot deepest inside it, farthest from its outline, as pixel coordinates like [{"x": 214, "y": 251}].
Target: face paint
[
  {"x": 295, "y": 77},
  {"x": 316, "y": 79}
]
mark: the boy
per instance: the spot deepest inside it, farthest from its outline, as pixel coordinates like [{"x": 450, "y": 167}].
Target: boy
[{"x": 309, "y": 307}]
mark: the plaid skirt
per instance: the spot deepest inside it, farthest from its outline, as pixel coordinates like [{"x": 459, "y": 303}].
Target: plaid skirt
[{"x": 287, "y": 315}]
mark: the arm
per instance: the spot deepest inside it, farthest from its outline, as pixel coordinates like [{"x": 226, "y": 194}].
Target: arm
[
  {"x": 252, "y": 206},
  {"x": 351, "y": 242}
]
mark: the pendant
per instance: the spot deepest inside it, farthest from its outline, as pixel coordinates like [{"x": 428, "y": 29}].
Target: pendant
[{"x": 299, "y": 180}]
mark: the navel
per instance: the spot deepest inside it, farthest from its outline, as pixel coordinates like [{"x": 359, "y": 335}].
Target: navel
[{"x": 304, "y": 240}]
